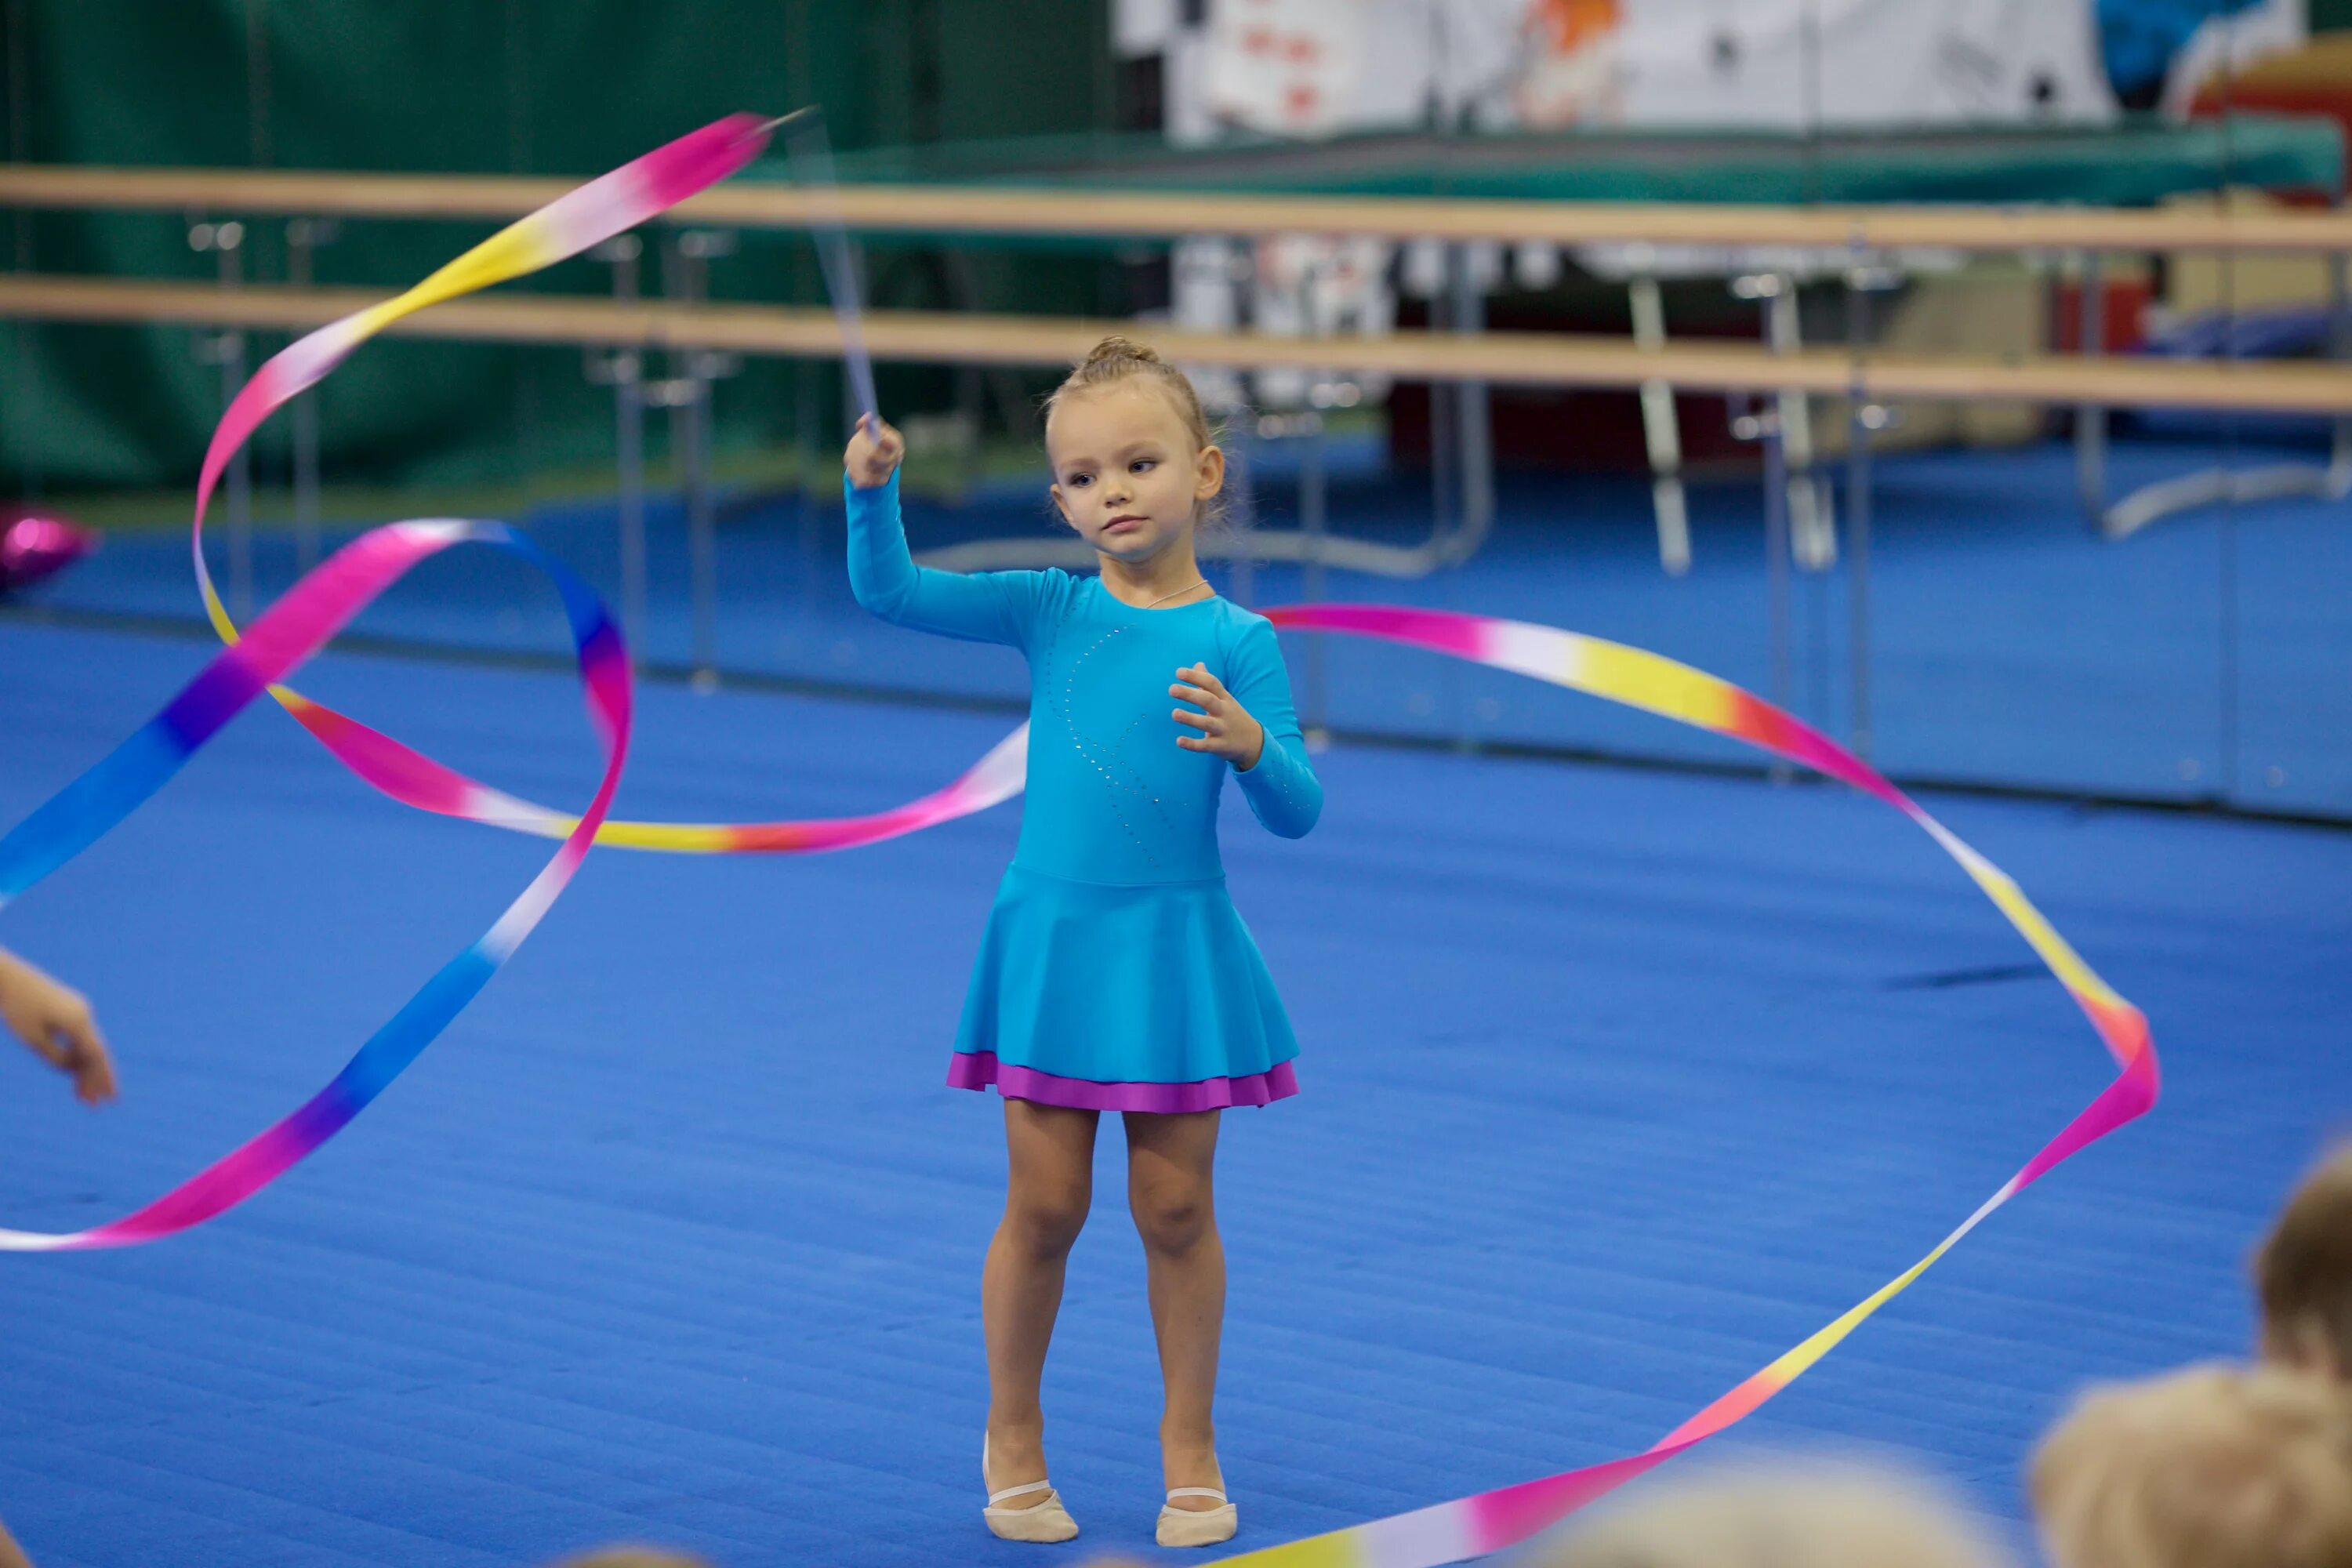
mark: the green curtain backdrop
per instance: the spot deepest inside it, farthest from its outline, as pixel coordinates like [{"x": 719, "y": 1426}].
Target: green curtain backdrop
[{"x": 541, "y": 87}]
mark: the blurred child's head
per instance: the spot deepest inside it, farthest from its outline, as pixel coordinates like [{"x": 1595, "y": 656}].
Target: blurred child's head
[
  {"x": 1809, "y": 1516},
  {"x": 1134, "y": 467},
  {"x": 2303, "y": 1273},
  {"x": 2209, "y": 1467}
]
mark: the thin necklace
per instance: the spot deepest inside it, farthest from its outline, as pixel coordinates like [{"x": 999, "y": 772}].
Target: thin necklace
[{"x": 1178, "y": 594}]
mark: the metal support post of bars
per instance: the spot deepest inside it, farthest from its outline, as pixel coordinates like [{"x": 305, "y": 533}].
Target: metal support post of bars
[
  {"x": 1765, "y": 425},
  {"x": 1755, "y": 417},
  {"x": 689, "y": 408},
  {"x": 226, "y": 241},
  {"x": 1444, "y": 468},
  {"x": 623, "y": 371},
  {"x": 808, "y": 452},
  {"x": 1242, "y": 505},
  {"x": 1474, "y": 427},
  {"x": 2338, "y": 482},
  {"x": 1473, "y": 435},
  {"x": 1313, "y": 500},
  {"x": 303, "y": 237},
  {"x": 1448, "y": 483},
  {"x": 2090, "y": 419},
  {"x": 687, "y": 394},
  {"x": 1237, "y": 401},
  {"x": 1864, "y": 420},
  {"x": 1776, "y": 558},
  {"x": 1661, "y": 434},
  {"x": 629, "y": 454},
  {"x": 1857, "y": 535},
  {"x": 1813, "y": 528}
]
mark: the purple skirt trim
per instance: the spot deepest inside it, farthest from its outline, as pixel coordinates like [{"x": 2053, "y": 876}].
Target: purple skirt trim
[{"x": 977, "y": 1070}]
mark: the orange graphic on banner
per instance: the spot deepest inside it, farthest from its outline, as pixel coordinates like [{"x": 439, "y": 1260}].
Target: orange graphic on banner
[{"x": 1566, "y": 26}]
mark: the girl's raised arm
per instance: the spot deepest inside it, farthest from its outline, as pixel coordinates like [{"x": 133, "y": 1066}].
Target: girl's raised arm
[{"x": 978, "y": 606}]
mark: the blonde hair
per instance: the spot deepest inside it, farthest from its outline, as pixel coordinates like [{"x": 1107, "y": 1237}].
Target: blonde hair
[
  {"x": 1116, "y": 359},
  {"x": 2209, "y": 1467},
  {"x": 2303, "y": 1271},
  {"x": 1820, "y": 1516}
]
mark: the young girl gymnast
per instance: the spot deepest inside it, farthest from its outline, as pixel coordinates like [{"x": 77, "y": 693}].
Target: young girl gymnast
[{"x": 1114, "y": 974}]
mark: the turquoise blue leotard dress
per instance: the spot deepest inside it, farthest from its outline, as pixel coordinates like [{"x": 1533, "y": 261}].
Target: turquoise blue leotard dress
[{"x": 1114, "y": 974}]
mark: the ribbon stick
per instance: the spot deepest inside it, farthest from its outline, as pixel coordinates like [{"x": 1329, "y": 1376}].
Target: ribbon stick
[
  {"x": 289, "y": 633},
  {"x": 809, "y": 154}
]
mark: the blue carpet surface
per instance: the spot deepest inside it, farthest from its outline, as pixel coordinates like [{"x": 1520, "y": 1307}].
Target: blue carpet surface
[
  {"x": 1616, "y": 1084},
  {"x": 2205, "y": 657}
]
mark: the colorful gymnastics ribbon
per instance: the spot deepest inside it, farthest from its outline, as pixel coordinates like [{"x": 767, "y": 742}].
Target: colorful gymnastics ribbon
[
  {"x": 291, "y": 631},
  {"x": 1444, "y": 1533},
  {"x": 310, "y": 614},
  {"x": 1492, "y": 1521},
  {"x": 593, "y": 213},
  {"x": 611, "y": 203}
]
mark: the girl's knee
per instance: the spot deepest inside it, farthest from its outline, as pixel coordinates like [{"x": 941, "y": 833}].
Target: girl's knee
[
  {"x": 1047, "y": 1217},
  {"x": 1172, "y": 1216}
]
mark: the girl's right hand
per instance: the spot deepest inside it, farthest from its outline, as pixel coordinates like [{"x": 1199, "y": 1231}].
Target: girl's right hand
[{"x": 873, "y": 453}]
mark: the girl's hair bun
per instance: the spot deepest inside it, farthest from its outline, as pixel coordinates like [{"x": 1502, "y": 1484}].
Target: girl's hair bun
[{"x": 1118, "y": 349}]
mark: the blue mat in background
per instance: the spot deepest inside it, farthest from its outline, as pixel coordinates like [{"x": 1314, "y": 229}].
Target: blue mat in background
[
  {"x": 1616, "y": 1084},
  {"x": 2203, "y": 658}
]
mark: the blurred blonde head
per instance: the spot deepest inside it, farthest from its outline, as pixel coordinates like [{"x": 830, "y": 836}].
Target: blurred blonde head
[
  {"x": 2302, "y": 1274},
  {"x": 632, "y": 1557},
  {"x": 1805, "y": 1516},
  {"x": 2209, "y": 1467}
]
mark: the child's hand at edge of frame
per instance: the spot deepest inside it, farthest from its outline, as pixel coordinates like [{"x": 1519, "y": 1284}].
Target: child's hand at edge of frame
[{"x": 56, "y": 1023}]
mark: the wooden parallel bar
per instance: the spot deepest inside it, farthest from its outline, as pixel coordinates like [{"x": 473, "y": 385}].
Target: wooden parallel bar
[
  {"x": 1085, "y": 212},
  {"x": 1528, "y": 359}
]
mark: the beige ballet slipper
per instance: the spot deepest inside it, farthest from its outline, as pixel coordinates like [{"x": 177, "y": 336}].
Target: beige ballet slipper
[
  {"x": 1198, "y": 1526},
  {"x": 1045, "y": 1521}
]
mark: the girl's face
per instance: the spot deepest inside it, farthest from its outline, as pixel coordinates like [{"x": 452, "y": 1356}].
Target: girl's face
[{"x": 1125, "y": 473}]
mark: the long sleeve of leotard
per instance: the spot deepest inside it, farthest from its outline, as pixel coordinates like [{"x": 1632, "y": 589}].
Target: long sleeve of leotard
[
  {"x": 1281, "y": 786},
  {"x": 978, "y": 606}
]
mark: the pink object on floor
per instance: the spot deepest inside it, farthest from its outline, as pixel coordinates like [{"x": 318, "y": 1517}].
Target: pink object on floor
[{"x": 34, "y": 543}]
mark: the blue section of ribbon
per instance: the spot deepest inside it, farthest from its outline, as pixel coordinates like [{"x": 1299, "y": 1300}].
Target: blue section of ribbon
[{"x": 82, "y": 812}]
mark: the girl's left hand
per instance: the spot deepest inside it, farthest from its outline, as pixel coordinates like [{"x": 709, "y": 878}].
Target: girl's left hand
[
  {"x": 1226, "y": 729},
  {"x": 55, "y": 1021}
]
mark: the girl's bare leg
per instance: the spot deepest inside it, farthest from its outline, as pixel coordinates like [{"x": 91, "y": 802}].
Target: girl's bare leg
[
  {"x": 1169, "y": 1161},
  {"x": 1048, "y": 1187}
]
